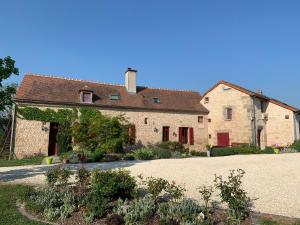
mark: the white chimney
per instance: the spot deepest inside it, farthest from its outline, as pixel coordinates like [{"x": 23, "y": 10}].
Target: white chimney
[{"x": 130, "y": 80}]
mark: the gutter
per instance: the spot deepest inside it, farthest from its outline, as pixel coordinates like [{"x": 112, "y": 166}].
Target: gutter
[{"x": 12, "y": 135}]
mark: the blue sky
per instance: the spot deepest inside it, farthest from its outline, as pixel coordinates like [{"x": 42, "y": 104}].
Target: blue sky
[{"x": 173, "y": 44}]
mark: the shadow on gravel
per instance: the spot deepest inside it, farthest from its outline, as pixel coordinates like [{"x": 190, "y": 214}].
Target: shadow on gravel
[{"x": 16, "y": 173}]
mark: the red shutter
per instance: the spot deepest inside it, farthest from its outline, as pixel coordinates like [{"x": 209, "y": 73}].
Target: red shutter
[
  {"x": 180, "y": 135},
  {"x": 132, "y": 134},
  {"x": 191, "y": 136}
]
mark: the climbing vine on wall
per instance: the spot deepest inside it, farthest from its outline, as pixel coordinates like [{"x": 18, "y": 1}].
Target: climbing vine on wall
[{"x": 65, "y": 118}]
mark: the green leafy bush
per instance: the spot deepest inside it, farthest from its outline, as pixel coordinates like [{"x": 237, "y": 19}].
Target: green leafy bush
[
  {"x": 58, "y": 176},
  {"x": 97, "y": 205},
  {"x": 94, "y": 130},
  {"x": 51, "y": 203},
  {"x": 186, "y": 211},
  {"x": 159, "y": 187},
  {"x": 267, "y": 150},
  {"x": 143, "y": 154},
  {"x": 222, "y": 152},
  {"x": 176, "y": 155},
  {"x": 111, "y": 157},
  {"x": 296, "y": 145},
  {"x": 172, "y": 145},
  {"x": 113, "y": 184},
  {"x": 231, "y": 193},
  {"x": 199, "y": 153},
  {"x": 161, "y": 153},
  {"x": 83, "y": 177},
  {"x": 136, "y": 211},
  {"x": 129, "y": 157},
  {"x": 97, "y": 156}
]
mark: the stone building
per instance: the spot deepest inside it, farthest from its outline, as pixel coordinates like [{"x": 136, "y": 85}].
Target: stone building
[
  {"x": 240, "y": 116},
  {"x": 157, "y": 114}
]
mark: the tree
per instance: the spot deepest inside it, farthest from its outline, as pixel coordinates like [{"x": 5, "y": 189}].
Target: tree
[{"x": 7, "y": 68}]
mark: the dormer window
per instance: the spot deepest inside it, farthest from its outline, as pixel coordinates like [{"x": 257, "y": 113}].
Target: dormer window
[
  {"x": 155, "y": 100},
  {"x": 86, "y": 95},
  {"x": 114, "y": 97}
]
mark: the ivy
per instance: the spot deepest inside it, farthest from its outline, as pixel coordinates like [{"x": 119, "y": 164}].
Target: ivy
[
  {"x": 64, "y": 117},
  {"x": 60, "y": 116}
]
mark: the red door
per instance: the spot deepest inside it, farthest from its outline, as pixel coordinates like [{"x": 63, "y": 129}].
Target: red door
[
  {"x": 223, "y": 139},
  {"x": 52, "y": 147}
]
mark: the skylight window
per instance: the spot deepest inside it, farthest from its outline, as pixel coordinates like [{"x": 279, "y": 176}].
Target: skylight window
[
  {"x": 155, "y": 100},
  {"x": 114, "y": 97}
]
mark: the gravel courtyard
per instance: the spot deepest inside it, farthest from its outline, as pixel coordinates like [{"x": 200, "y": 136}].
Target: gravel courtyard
[{"x": 273, "y": 179}]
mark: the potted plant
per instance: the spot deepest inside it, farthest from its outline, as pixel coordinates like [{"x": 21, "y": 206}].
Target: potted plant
[{"x": 49, "y": 160}]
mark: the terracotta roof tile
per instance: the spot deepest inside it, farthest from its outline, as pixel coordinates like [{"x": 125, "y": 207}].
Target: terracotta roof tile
[{"x": 55, "y": 90}]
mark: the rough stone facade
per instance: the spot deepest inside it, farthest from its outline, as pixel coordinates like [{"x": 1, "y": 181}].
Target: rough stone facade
[
  {"x": 278, "y": 126},
  {"x": 32, "y": 137},
  {"x": 239, "y": 128}
]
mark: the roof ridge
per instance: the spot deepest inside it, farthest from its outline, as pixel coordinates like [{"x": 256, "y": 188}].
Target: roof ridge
[
  {"x": 170, "y": 89},
  {"x": 71, "y": 79},
  {"x": 98, "y": 82}
]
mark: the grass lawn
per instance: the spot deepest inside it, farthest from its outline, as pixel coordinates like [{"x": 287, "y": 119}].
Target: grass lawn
[
  {"x": 8, "y": 211},
  {"x": 272, "y": 222},
  {"x": 21, "y": 162}
]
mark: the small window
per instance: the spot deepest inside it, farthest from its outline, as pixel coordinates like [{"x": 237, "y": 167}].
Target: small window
[
  {"x": 287, "y": 117},
  {"x": 200, "y": 119},
  {"x": 209, "y": 120},
  {"x": 228, "y": 113},
  {"x": 155, "y": 100},
  {"x": 146, "y": 120},
  {"x": 87, "y": 97},
  {"x": 166, "y": 134},
  {"x": 209, "y": 136},
  {"x": 114, "y": 97},
  {"x": 262, "y": 107},
  {"x": 206, "y": 100}
]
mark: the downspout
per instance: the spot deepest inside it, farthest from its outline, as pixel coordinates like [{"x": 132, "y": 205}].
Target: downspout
[
  {"x": 253, "y": 122},
  {"x": 12, "y": 135}
]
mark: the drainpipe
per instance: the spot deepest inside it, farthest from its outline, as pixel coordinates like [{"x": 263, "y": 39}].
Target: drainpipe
[
  {"x": 253, "y": 122},
  {"x": 12, "y": 135}
]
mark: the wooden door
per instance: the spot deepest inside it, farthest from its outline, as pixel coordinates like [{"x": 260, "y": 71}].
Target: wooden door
[
  {"x": 223, "y": 139},
  {"x": 52, "y": 148}
]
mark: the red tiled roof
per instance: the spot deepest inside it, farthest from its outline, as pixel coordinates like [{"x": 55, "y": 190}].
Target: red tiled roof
[
  {"x": 63, "y": 91},
  {"x": 251, "y": 93}
]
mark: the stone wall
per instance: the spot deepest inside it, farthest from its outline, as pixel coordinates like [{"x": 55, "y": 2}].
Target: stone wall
[
  {"x": 280, "y": 126},
  {"x": 33, "y": 136},
  {"x": 239, "y": 128}
]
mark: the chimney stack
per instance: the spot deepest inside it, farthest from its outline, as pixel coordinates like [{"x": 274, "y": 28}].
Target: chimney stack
[
  {"x": 130, "y": 80},
  {"x": 259, "y": 92}
]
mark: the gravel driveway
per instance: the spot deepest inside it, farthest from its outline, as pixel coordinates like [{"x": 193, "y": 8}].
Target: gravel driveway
[{"x": 273, "y": 179}]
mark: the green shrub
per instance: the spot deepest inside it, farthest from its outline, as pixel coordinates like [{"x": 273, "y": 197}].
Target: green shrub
[
  {"x": 112, "y": 146},
  {"x": 97, "y": 156},
  {"x": 176, "y": 155},
  {"x": 199, "y": 153},
  {"x": 172, "y": 145},
  {"x": 58, "y": 176},
  {"x": 51, "y": 203},
  {"x": 161, "y": 153},
  {"x": 288, "y": 150},
  {"x": 231, "y": 193},
  {"x": 129, "y": 157},
  {"x": 112, "y": 157},
  {"x": 137, "y": 211},
  {"x": 268, "y": 150},
  {"x": 296, "y": 145},
  {"x": 97, "y": 205},
  {"x": 143, "y": 154},
  {"x": 159, "y": 187},
  {"x": 222, "y": 152},
  {"x": 113, "y": 184},
  {"x": 83, "y": 177},
  {"x": 185, "y": 211}
]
